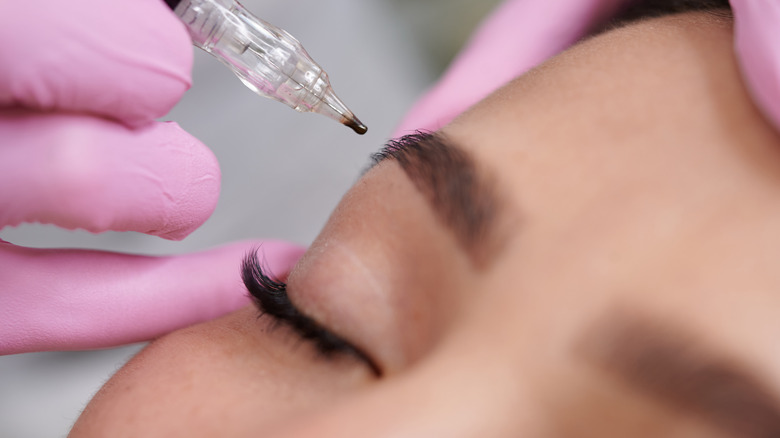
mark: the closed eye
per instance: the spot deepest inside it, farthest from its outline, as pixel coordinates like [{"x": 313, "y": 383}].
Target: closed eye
[{"x": 270, "y": 297}]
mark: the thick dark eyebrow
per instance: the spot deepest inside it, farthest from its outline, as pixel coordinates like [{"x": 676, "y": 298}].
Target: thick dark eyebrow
[
  {"x": 670, "y": 367},
  {"x": 463, "y": 198}
]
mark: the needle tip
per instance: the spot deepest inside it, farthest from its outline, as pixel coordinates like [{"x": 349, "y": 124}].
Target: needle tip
[{"x": 356, "y": 125}]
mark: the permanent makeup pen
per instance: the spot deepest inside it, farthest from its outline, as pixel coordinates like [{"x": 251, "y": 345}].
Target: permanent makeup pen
[{"x": 267, "y": 59}]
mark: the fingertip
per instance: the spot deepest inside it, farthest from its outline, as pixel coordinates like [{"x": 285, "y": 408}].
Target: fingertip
[
  {"x": 278, "y": 256},
  {"x": 191, "y": 189},
  {"x": 77, "y": 171},
  {"x": 213, "y": 276}
]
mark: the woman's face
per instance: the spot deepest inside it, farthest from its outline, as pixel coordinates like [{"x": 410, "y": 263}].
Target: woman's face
[{"x": 591, "y": 251}]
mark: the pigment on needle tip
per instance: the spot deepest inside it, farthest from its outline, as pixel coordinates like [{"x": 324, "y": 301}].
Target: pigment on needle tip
[{"x": 356, "y": 125}]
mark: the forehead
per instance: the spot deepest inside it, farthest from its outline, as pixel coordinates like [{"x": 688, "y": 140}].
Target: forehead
[
  {"x": 642, "y": 173},
  {"x": 648, "y": 125}
]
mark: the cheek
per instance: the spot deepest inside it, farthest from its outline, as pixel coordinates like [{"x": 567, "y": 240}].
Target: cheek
[{"x": 229, "y": 377}]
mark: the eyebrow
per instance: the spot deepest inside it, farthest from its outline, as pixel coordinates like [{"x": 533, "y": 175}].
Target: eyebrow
[
  {"x": 462, "y": 197},
  {"x": 670, "y": 367}
]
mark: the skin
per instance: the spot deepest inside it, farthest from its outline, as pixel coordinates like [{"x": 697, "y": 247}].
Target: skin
[{"x": 638, "y": 183}]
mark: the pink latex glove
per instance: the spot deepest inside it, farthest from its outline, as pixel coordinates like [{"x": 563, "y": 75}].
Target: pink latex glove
[
  {"x": 757, "y": 28},
  {"x": 521, "y": 34},
  {"x": 81, "y": 82}
]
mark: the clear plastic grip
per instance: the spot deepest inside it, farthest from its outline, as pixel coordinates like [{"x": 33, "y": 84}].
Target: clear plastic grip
[{"x": 267, "y": 59}]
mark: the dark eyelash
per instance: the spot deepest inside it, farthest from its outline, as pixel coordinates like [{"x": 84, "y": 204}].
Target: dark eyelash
[{"x": 270, "y": 297}]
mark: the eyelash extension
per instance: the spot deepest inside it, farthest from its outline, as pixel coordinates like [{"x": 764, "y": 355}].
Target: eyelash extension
[{"x": 270, "y": 297}]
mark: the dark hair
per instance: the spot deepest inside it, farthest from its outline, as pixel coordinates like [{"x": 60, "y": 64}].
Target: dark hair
[{"x": 641, "y": 9}]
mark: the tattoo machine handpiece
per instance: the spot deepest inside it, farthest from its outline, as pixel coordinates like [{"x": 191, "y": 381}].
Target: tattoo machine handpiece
[{"x": 267, "y": 59}]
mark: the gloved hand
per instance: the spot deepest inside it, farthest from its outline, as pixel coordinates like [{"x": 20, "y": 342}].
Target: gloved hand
[
  {"x": 521, "y": 34},
  {"x": 757, "y": 29},
  {"x": 81, "y": 82}
]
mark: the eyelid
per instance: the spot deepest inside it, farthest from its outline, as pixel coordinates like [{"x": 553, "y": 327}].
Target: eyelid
[{"x": 270, "y": 297}]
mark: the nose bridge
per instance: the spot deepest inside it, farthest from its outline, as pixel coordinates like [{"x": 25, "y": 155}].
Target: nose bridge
[{"x": 454, "y": 394}]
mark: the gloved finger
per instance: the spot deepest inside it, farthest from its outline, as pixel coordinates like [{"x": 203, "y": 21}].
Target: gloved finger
[
  {"x": 517, "y": 36},
  {"x": 77, "y": 171},
  {"x": 75, "y": 299},
  {"x": 125, "y": 59},
  {"x": 757, "y": 33}
]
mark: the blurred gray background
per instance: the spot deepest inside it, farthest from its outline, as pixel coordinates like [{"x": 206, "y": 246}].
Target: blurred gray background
[{"x": 283, "y": 172}]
